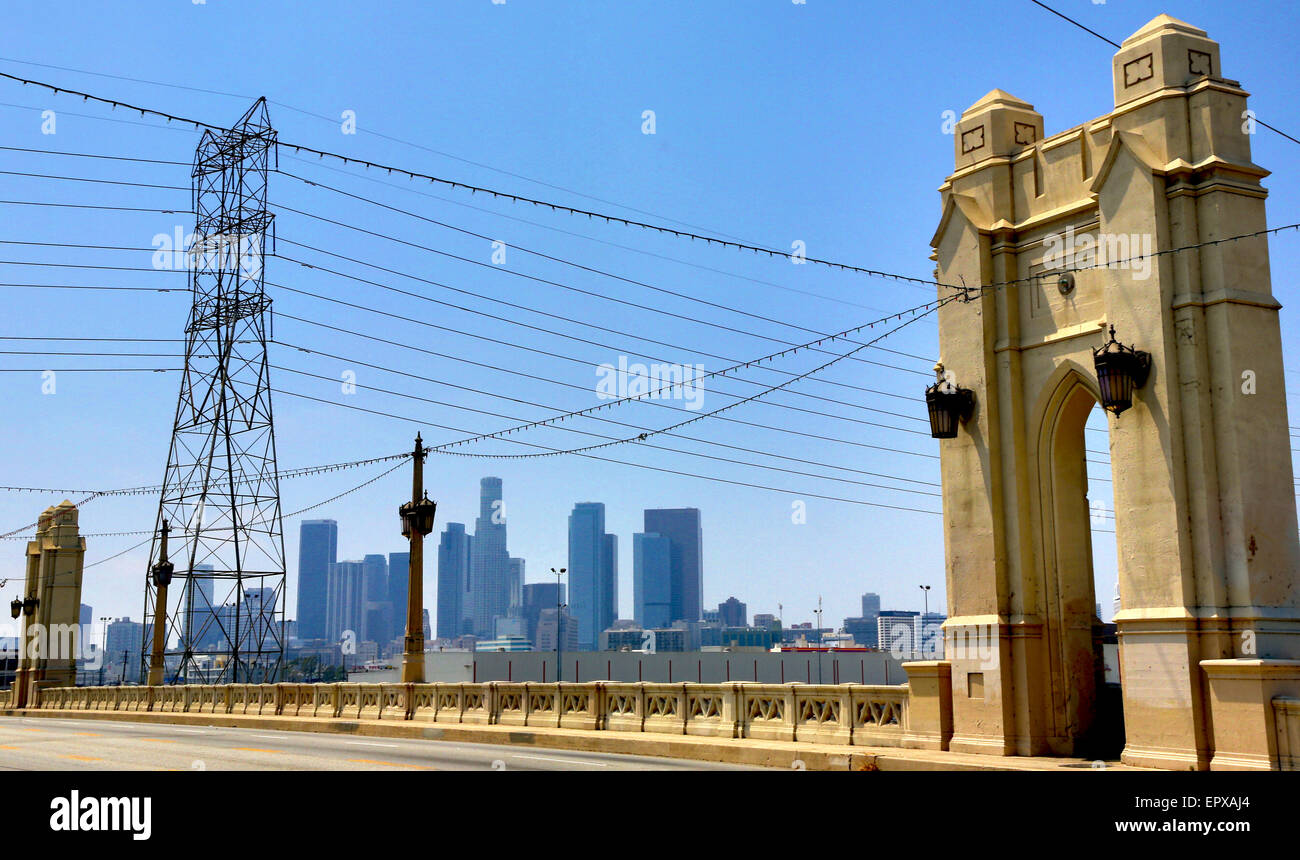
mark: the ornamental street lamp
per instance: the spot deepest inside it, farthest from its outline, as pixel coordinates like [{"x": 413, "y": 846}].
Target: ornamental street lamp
[
  {"x": 16, "y": 608},
  {"x": 1120, "y": 370},
  {"x": 948, "y": 406},
  {"x": 29, "y": 605},
  {"x": 417, "y": 521},
  {"x": 162, "y": 577}
]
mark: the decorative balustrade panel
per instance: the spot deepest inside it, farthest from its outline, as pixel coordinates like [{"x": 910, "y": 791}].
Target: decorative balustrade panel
[
  {"x": 665, "y": 708},
  {"x": 476, "y": 703},
  {"x": 711, "y": 709},
  {"x": 424, "y": 702},
  {"x": 767, "y": 711},
  {"x": 542, "y": 704},
  {"x": 368, "y": 701},
  {"x": 394, "y": 701},
  {"x": 623, "y": 709},
  {"x": 1286, "y": 719},
  {"x": 510, "y": 704},
  {"x": 326, "y": 701},
  {"x": 823, "y": 713},
  {"x": 451, "y": 702},
  {"x": 349, "y": 701},
  {"x": 878, "y": 715},
  {"x": 580, "y": 705}
]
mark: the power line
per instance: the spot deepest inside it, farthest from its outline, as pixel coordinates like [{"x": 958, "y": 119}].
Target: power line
[
  {"x": 1117, "y": 46},
  {"x": 660, "y": 469},
  {"x": 544, "y": 256}
]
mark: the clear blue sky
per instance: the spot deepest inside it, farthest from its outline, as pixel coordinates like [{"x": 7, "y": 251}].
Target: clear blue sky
[{"x": 775, "y": 122}]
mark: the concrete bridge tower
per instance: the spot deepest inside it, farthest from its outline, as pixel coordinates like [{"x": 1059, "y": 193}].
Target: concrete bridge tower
[{"x": 1205, "y": 514}]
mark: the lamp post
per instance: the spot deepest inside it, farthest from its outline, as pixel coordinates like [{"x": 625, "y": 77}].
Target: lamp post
[
  {"x": 559, "y": 618},
  {"x": 162, "y": 577},
  {"x": 820, "y": 638},
  {"x": 417, "y": 521},
  {"x": 925, "y": 590}
]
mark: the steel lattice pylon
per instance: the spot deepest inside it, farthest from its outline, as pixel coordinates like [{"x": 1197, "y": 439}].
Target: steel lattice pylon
[{"x": 221, "y": 493}]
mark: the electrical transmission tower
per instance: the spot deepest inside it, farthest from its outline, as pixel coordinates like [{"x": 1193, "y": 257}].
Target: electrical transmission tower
[{"x": 221, "y": 491}]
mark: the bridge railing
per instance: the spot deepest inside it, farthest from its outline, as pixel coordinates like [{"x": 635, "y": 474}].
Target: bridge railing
[{"x": 809, "y": 713}]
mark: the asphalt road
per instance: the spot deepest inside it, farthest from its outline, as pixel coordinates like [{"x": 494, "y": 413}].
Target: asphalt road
[{"x": 58, "y": 744}]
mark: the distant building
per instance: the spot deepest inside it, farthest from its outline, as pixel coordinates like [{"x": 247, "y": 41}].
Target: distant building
[
  {"x": 539, "y": 596},
  {"x": 733, "y": 613},
  {"x": 344, "y": 599},
  {"x": 122, "y": 643},
  {"x": 593, "y": 573},
  {"x": 399, "y": 574},
  {"x": 766, "y": 619},
  {"x": 864, "y": 631},
  {"x": 489, "y": 560},
  {"x": 546, "y": 630},
  {"x": 741, "y": 636},
  {"x": 504, "y": 643},
  {"x": 682, "y": 528},
  {"x": 870, "y": 605},
  {"x": 317, "y": 550},
  {"x": 652, "y": 572},
  {"x": 453, "y": 581},
  {"x": 897, "y": 632}
]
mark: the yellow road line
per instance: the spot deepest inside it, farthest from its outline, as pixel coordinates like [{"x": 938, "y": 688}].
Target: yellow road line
[
  {"x": 159, "y": 740},
  {"x": 256, "y": 749},
  {"x": 390, "y": 763},
  {"x": 81, "y": 757},
  {"x": 88, "y": 734},
  {"x": 9, "y": 748}
]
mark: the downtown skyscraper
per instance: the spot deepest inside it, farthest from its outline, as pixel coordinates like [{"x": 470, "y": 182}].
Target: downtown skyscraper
[
  {"x": 681, "y": 526},
  {"x": 652, "y": 580},
  {"x": 317, "y": 549},
  {"x": 593, "y": 572},
  {"x": 489, "y": 561},
  {"x": 453, "y": 581}
]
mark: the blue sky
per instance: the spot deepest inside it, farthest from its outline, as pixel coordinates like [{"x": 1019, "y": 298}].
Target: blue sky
[{"x": 818, "y": 123}]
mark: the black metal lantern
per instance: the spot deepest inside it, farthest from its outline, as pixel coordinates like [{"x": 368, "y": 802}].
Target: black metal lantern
[
  {"x": 16, "y": 608},
  {"x": 1120, "y": 370},
  {"x": 30, "y": 604},
  {"x": 949, "y": 406},
  {"x": 418, "y": 515},
  {"x": 162, "y": 573}
]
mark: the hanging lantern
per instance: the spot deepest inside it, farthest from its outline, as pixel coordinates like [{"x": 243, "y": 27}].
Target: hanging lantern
[
  {"x": 30, "y": 604},
  {"x": 16, "y": 608},
  {"x": 1120, "y": 370},
  {"x": 948, "y": 404},
  {"x": 162, "y": 573}
]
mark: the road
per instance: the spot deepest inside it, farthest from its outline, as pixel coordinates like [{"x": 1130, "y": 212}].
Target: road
[{"x": 58, "y": 744}]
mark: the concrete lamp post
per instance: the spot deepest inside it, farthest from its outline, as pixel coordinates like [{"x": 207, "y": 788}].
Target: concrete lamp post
[
  {"x": 417, "y": 521},
  {"x": 162, "y": 577}
]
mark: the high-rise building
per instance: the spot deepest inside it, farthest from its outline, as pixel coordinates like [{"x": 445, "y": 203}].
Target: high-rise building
[
  {"x": 733, "y": 613},
  {"x": 870, "y": 605},
  {"x": 592, "y": 572},
  {"x": 546, "y": 630},
  {"x": 537, "y": 597},
  {"x": 453, "y": 581},
  {"x": 199, "y": 630},
  {"x": 682, "y": 528},
  {"x": 317, "y": 550},
  {"x": 344, "y": 600},
  {"x": 515, "y": 607},
  {"x": 652, "y": 570},
  {"x": 489, "y": 561},
  {"x": 377, "y": 620},
  {"x": 399, "y": 575},
  {"x": 122, "y": 642}
]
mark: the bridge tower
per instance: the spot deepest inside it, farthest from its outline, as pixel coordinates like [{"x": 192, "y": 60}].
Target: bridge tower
[
  {"x": 221, "y": 491},
  {"x": 1205, "y": 514}
]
